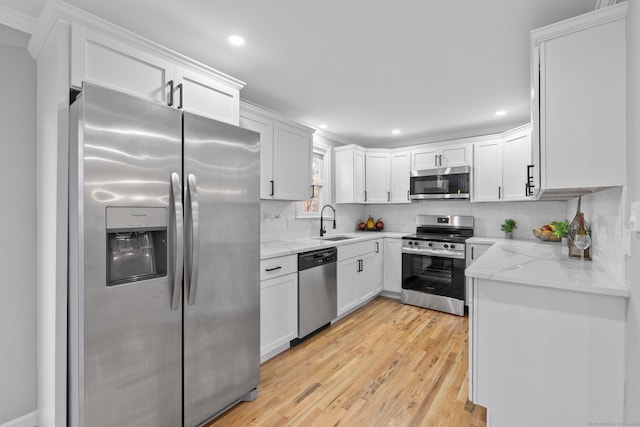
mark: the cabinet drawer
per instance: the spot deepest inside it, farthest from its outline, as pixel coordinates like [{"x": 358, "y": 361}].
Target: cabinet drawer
[
  {"x": 275, "y": 267},
  {"x": 359, "y": 249}
]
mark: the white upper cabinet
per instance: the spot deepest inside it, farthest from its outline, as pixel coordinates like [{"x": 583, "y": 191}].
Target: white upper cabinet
[
  {"x": 400, "y": 162},
  {"x": 349, "y": 166},
  {"x": 371, "y": 176},
  {"x": 285, "y": 155},
  {"x": 487, "y": 170},
  {"x": 579, "y": 104},
  {"x": 117, "y": 64},
  {"x": 129, "y": 64},
  {"x": 501, "y": 166},
  {"x": 516, "y": 162},
  {"x": 441, "y": 156},
  {"x": 200, "y": 94},
  {"x": 377, "y": 177}
]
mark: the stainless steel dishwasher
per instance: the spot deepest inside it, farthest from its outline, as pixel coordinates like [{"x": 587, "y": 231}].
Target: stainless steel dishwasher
[{"x": 317, "y": 290}]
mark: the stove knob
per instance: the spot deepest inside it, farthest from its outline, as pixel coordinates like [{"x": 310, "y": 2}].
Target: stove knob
[
  {"x": 446, "y": 246},
  {"x": 410, "y": 243},
  {"x": 430, "y": 244},
  {"x": 453, "y": 246}
]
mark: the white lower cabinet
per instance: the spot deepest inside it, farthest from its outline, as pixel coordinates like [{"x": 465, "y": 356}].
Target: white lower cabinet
[
  {"x": 392, "y": 265},
  {"x": 278, "y": 305},
  {"x": 360, "y": 274}
]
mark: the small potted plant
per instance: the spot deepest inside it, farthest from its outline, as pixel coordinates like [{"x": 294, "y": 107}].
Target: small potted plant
[
  {"x": 561, "y": 228},
  {"x": 508, "y": 227}
]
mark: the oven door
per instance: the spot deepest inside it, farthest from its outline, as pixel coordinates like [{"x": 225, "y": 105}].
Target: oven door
[{"x": 432, "y": 274}]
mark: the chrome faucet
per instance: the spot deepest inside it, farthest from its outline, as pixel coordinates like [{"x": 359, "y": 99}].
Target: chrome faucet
[{"x": 322, "y": 230}]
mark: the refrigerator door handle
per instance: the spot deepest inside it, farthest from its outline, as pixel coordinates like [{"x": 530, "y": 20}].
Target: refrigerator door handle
[
  {"x": 193, "y": 252},
  {"x": 176, "y": 195}
]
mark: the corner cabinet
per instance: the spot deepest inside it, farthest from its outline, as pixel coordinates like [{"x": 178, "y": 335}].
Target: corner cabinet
[
  {"x": 502, "y": 165},
  {"x": 360, "y": 274},
  {"x": 286, "y": 150},
  {"x": 278, "y": 304},
  {"x": 115, "y": 61},
  {"x": 375, "y": 176},
  {"x": 578, "y": 84}
]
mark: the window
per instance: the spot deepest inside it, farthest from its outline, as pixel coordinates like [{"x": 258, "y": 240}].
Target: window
[{"x": 319, "y": 167}]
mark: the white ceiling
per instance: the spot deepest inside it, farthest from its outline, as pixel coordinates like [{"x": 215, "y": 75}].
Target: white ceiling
[{"x": 434, "y": 70}]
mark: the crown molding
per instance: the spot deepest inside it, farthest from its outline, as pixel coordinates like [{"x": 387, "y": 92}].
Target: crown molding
[
  {"x": 57, "y": 11},
  {"x": 17, "y": 20}
]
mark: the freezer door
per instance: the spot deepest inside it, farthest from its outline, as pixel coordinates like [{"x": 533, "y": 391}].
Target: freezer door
[
  {"x": 125, "y": 341},
  {"x": 222, "y": 258}
]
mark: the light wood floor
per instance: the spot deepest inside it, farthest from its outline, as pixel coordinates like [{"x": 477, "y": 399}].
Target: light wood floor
[{"x": 387, "y": 364}]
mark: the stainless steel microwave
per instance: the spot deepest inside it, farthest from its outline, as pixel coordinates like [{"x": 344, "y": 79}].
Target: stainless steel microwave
[{"x": 442, "y": 183}]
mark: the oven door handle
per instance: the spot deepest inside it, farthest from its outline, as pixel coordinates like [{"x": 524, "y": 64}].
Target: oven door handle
[{"x": 455, "y": 255}]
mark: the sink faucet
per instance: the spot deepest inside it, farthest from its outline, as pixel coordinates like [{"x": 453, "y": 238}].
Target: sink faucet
[{"x": 322, "y": 230}]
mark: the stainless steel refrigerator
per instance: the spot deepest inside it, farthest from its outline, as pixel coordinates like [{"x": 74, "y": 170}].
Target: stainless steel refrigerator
[{"x": 164, "y": 263}]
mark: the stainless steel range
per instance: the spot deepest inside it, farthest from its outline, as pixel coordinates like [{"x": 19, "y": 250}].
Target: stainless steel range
[{"x": 433, "y": 263}]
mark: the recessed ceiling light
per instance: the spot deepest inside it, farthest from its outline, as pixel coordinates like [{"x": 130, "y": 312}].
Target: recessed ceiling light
[
  {"x": 500, "y": 113},
  {"x": 396, "y": 131},
  {"x": 322, "y": 126},
  {"x": 236, "y": 40}
]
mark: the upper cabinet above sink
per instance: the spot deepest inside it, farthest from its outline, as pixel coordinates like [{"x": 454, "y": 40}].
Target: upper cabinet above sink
[{"x": 578, "y": 85}]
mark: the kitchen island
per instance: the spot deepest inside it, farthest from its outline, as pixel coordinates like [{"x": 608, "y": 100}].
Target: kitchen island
[{"x": 546, "y": 337}]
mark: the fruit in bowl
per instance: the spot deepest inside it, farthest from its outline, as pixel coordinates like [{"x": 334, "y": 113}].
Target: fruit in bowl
[{"x": 551, "y": 232}]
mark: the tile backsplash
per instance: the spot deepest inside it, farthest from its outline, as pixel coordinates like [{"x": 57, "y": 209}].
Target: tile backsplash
[{"x": 603, "y": 210}]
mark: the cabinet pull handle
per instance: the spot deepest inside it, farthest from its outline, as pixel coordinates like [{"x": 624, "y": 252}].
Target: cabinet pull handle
[
  {"x": 377, "y": 247},
  {"x": 365, "y": 195},
  {"x": 530, "y": 186},
  {"x": 311, "y": 196},
  {"x": 273, "y": 269},
  {"x": 272, "y": 188},
  {"x": 388, "y": 196},
  {"x": 435, "y": 160},
  {"x": 170, "y": 103},
  {"x": 499, "y": 191},
  {"x": 408, "y": 195},
  {"x": 472, "y": 252},
  {"x": 440, "y": 159},
  {"x": 181, "y": 90}
]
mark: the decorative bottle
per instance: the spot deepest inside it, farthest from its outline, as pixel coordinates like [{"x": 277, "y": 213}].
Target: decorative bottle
[{"x": 579, "y": 235}]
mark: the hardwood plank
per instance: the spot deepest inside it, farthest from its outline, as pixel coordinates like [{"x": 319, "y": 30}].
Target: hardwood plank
[{"x": 387, "y": 364}]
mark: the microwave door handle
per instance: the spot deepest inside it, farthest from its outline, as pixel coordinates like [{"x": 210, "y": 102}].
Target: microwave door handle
[
  {"x": 192, "y": 194},
  {"x": 176, "y": 196}
]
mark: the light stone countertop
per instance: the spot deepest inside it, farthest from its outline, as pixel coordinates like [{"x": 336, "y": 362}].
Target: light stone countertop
[
  {"x": 543, "y": 264},
  {"x": 289, "y": 247}
]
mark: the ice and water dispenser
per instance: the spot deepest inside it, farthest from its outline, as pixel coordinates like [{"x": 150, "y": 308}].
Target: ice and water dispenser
[{"x": 136, "y": 244}]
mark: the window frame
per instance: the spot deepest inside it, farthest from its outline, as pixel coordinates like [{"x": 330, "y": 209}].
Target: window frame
[{"x": 324, "y": 187}]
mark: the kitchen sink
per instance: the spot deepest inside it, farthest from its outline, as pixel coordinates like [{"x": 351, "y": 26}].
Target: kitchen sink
[{"x": 336, "y": 238}]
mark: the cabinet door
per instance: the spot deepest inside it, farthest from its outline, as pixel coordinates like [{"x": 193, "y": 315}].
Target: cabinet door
[
  {"x": 516, "y": 156},
  {"x": 112, "y": 63},
  {"x": 424, "y": 158},
  {"x": 377, "y": 177},
  {"x": 278, "y": 313},
  {"x": 400, "y": 177},
  {"x": 369, "y": 277},
  {"x": 264, "y": 127},
  {"x": 583, "y": 107},
  {"x": 392, "y": 265},
  {"x": 348, "y": 276},
  {"x": 487, "y": 173},
  {"x": 455, "y": 155},
  {"x": 292, "y": 151},
  {"x": 359, "y": 177},
  {"x": 378, "y": 266},
  {"x": 203, "y": 95}
]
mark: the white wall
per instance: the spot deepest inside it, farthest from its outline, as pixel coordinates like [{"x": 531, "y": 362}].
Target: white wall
[
  {"x": 633, "y": 195},
  {"x": 18, "y": 215}
]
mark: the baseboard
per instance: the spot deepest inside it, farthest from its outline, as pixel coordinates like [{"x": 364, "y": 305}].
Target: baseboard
[{"x": 29, "y": 420}]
